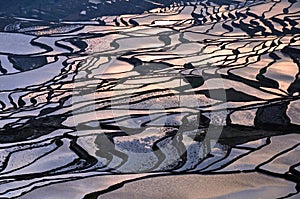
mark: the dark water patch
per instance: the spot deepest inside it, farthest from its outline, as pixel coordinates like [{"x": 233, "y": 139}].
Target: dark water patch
[{"x": 27, "y": 63}]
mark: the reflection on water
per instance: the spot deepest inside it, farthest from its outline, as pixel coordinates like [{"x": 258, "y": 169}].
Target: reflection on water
[{"x": 191, "y": 87}]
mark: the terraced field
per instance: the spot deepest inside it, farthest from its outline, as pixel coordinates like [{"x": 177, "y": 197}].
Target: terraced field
[{"x": 150, "y": 99}]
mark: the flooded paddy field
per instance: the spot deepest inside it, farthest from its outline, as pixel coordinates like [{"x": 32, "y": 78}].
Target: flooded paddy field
[{"x": 150, "y": 99}]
